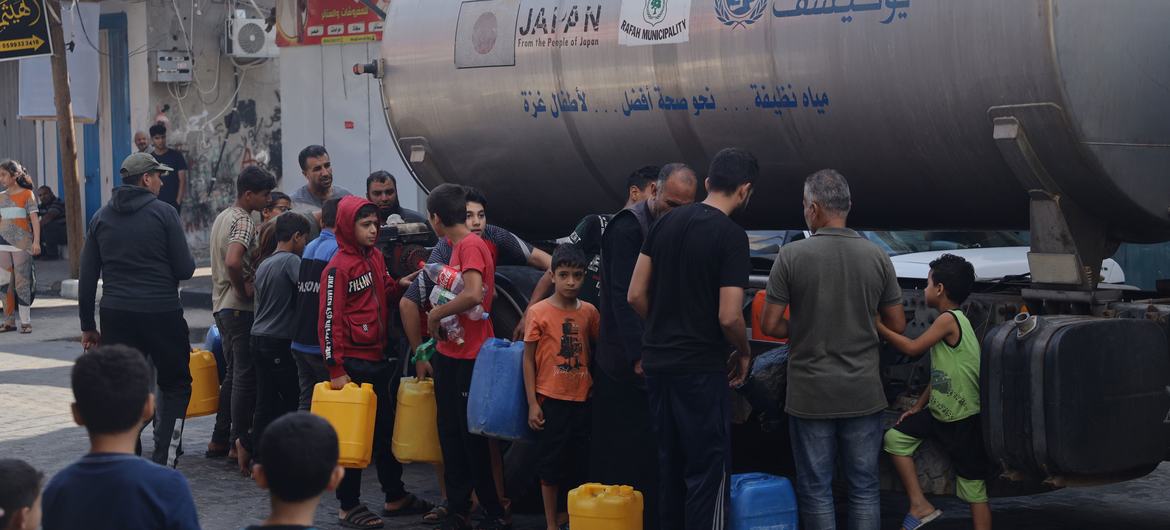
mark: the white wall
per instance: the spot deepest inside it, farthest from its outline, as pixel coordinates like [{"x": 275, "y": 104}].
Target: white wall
[{"x": 321, "y": 94}]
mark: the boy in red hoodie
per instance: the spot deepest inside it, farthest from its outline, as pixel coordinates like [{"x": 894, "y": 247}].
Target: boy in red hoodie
[{"x": 356, "y": 291}]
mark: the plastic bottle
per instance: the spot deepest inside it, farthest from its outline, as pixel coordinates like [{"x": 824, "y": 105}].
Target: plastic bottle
[
  {"x": 443, "y": 276},
  {"x": 425, "y": 351},
  {"x": 440, "y": 296},
  {"x": 452, "y": 328}
]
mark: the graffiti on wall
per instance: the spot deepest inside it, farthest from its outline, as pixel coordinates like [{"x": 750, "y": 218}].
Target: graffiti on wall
[{"x": 217, "y": 150}]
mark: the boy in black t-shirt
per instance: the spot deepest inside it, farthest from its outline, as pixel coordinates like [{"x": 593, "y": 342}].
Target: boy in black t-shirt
[
  {"x": 298, "y": 465},
  {"x": 688, "y": 284},
  {"x": 174, "y": 188}
]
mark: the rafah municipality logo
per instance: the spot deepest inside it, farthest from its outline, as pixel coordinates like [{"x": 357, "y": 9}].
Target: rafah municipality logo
[
  {"x": 740, "y": 13},
  {"x": 655, "y": 12}
]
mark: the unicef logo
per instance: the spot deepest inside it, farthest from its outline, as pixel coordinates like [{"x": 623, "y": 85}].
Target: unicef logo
[{"x": 740, "y": 13}]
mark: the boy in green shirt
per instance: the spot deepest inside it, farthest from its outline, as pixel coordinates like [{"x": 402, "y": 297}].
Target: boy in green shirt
[{"x": 952, "y": 397}]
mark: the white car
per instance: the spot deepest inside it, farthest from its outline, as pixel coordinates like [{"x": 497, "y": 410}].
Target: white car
[{"x": 991, "y": 264}]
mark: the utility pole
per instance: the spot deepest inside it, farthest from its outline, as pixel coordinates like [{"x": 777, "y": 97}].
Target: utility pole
[{"x": 66, "y": 140}]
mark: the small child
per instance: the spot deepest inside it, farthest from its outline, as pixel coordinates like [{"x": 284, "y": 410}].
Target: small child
[
  {"x": 952, "y": 397},
  {"x": 277, "y": 387},
  {"x": 299, "y": 465},
  {"x": 556, "y": 376},
  {"x": 110, "y": 487},
  {"x": 20, "y": 495},
  {"x": 278, "y": 203}
]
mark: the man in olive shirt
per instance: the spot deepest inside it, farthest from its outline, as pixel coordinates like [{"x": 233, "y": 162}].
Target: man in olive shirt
[{"x": 837, "y": 284}]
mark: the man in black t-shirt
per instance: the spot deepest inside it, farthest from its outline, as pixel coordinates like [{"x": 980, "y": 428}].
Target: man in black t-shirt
[
  {"x": 689, "y": 285},
  {"x": 174, "y": 188}
]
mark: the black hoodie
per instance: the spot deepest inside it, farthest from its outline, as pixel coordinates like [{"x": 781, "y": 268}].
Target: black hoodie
[{"x": 137, "y": 246}]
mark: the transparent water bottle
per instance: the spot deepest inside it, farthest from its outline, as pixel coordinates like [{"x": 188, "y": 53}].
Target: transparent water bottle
[{"x": 452, "y": 329}]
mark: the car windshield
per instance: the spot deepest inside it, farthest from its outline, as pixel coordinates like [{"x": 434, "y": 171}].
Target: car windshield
[{"x": 907, "y": 242}]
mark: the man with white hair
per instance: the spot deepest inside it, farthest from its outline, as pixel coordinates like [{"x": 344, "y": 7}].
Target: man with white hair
[{"x": 837, "y": 284}]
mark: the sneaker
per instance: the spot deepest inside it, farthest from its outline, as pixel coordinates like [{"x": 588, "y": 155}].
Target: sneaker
[{"x": 494, "y": 524}]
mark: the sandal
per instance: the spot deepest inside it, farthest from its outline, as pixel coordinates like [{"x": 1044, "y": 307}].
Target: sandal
[
  {"x": 361, "y": 518},
  {"x": 415, "y": 506},
  {"x": 26, "y": 328},
  {"x": 913, "y": 523},
  {"x": 5, "y": 328},
  {"x": 437, "y": 513}
]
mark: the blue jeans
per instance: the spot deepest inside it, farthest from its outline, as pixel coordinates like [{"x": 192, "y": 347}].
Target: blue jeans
[{"x": 816, "y": 446}]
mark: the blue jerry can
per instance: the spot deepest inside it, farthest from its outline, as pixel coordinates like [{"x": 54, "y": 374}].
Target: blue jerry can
[
  {"x": 213, "y": 342},
  {"x": 760, "y": 500},
  {"x": 496, "y": 406}
]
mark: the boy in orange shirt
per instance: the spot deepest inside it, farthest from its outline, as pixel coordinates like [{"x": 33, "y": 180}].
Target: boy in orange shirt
[{"x": 557, "y": 345}]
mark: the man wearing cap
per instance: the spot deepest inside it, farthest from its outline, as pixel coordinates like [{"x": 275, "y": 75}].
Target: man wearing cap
[{"x": 137, "y": 246}]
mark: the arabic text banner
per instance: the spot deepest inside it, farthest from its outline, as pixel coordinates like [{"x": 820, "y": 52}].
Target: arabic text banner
[
  {"x": 24, "y": 29},
  {"x": 314, "y": 22}
]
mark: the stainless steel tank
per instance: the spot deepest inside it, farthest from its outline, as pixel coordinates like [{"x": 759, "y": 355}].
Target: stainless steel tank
[{"x": 540, "y": 104}]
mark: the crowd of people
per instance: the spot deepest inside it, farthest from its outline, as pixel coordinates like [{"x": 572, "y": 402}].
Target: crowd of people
[{"x": 634, "y": 340}]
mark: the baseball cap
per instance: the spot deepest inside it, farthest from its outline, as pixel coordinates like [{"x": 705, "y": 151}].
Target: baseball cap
[{"x": 139, "y": 163}]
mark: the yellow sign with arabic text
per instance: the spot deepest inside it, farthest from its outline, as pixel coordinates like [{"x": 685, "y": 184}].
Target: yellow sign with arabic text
[{"x": 24, "y": 29}]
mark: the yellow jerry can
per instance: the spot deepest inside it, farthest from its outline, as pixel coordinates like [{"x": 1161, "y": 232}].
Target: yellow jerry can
[
  {"x": 204, "y": 385},
  {"x": 416, "y": 428},
  {"x": 601, "y": 507},
  {"x": 351, "y": 412}
]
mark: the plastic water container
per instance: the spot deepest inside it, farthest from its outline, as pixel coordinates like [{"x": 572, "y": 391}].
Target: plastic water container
[
  {"x": 601, "y": 507},
  {"x": 204, "y": 385},
  {"x": 761, "y": 501},
  {"x": 497, "y": 406},
  {"x": 213, "y": 341},
  {"x": 416, "y": 428},
  {"x": 351, "y": 413}
]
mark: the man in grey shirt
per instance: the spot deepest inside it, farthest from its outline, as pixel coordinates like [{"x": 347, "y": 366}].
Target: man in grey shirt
[
  {"x": 277, "y": 387},
  {"x": 318, "y": 171},
  {"x": 837, "y": 284}
]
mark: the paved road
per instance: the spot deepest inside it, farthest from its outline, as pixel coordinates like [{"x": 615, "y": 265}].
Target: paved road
[{"x": 35, "y": 425}]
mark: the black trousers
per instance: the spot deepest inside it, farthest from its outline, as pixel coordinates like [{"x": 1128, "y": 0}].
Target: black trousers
[
  {"x": 466, "y": 463},
  {"x": 692, "y": 419},
  {"x": 383, "y": 376},
  {"x": 310, "y": 371},
  {"x": 237, "y": 391},
  {"x": 53, "y": 235},
  {"x": 277, "y": 389},
  {"x": 623, "y": 448},
  {"x": 164, "y": 339}
]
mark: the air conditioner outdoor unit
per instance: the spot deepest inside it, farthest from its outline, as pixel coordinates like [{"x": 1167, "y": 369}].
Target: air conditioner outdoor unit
[{"x": 246, "y": 38}]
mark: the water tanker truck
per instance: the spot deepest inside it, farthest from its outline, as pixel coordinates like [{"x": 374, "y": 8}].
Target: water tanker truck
[{"x": 1051, "y": 116}]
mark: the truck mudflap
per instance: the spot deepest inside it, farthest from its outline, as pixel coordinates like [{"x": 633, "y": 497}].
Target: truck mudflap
[{"x": 1069, "y": 398}]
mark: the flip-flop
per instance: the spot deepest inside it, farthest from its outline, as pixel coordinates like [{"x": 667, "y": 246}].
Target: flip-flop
[
  {"x": 416, "y": 506},
  {"x": 914, "y": 523},
  {"x": 362, "y": 518},
  {"x": 437, "y": 514},
  {"x": 5, "y": 328}
]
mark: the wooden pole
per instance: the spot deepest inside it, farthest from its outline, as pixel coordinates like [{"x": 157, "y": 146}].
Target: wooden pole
[{"x": 66, "y": 140}]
